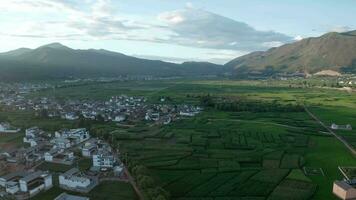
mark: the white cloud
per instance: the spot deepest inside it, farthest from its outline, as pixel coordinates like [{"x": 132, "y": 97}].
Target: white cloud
[
  {"x": 298, "y": 38},
  {"x": 189, "y": 5},
  {"x": 191, "y": 25},
  {"x": 174, "y": 17},
  {"x": 340, "y": 29},
  {"x": 101, "y": 20}
]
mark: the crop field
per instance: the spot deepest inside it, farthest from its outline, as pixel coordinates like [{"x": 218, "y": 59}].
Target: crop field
[
  {"x": 230, "y": 155},
  {"x": 226, "y": 155}
]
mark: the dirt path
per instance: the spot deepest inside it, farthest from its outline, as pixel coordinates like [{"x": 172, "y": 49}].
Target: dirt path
[
  {"x": 257, "y": 122},
  {"x": 347, "y": 145},
  {"x": 133, "y": 183}
]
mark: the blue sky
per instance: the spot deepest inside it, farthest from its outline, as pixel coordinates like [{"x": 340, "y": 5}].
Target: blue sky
[{"x": 172, "y": 30}]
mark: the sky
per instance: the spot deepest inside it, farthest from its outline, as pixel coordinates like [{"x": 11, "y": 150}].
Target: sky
[{"x": 171, "y": 30}]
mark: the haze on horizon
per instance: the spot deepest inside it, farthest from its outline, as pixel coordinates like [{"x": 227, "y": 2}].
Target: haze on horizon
[{"x": 168, "y": 30}]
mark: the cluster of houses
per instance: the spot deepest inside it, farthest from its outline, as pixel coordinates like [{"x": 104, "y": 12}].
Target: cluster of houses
[
  {"x": 58, "y": 148},
  {"x": 116, "y": 109}
]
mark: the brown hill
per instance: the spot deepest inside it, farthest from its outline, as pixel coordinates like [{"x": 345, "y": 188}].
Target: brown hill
[{"x": 332, "y": 51}]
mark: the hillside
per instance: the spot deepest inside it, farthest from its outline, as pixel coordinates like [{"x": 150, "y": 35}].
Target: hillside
[
  {"x": 332, "y": 51},
  {"x": 58, "y": 61}
]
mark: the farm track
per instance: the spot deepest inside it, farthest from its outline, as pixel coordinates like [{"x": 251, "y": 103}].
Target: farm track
[
  {"x": 342, "y": 140},
  {"x": 257, "y": 122}
]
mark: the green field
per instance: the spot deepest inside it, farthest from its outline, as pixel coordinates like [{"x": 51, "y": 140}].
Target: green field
[{"x": 221, "y": 155}]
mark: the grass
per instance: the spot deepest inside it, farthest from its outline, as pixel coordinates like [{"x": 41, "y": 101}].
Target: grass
[{"x": 225, "y": 154}]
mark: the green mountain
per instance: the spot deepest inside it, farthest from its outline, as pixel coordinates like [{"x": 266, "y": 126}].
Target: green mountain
[
  {"x": 58, "y": 61},
  {"x": 332, "y": 51}
]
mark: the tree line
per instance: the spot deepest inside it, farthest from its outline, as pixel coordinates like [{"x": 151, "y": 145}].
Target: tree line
[{"x": 249, "y": 106}]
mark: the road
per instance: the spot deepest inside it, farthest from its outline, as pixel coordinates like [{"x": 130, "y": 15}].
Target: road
[
  {"x": 133, "y": 183},
  {"x": 347, "y": 145}
]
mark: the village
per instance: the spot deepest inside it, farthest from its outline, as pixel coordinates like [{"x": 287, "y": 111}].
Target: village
[
  {"x": 25, "y": 171},
  {"x": 116, "y": 109},
  {"x": 24, "y": 180}
]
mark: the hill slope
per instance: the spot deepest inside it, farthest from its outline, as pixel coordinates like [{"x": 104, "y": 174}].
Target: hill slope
[
  {"x": 332, "y": 51},
  {"x": 58, "y": 61}
]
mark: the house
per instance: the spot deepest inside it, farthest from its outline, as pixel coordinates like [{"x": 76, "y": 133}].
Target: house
[
  {"x": 35, "y": 182},
  {"x": 71, "y": 116},
  {"x": 6, "y": 128},
  {"x": 65, "y": 196},
  {"x": 152, "y": 116},
  {"x": 57, "y": 156},
  {"x": 119, "y": 118},
  {"x": 12, "y": 177},
  {"x": 344, "y": 190},
  {"x": 74, "y": 180},
  {"x": 28, "y": 183},
  {"x": 31, "y": 136},
  {"x": 341, "y": 127},
  {"x": 61, "y": 143},
  {"x": 89, "y": 149},
  {"x": 75, "y": 136},
  {"x": 104, "y": 159}
]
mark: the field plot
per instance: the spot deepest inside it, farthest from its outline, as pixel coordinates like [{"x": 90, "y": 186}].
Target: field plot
[{"x": 223, "y": 155}]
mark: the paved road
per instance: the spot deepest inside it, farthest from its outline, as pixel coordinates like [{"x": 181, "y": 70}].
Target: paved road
[{"x": 347, "y": 145}]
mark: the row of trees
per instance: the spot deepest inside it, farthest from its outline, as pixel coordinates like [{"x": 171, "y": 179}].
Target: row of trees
[
  {"x": 251, "y": 106},
  {"x": 146, "y": 184}
]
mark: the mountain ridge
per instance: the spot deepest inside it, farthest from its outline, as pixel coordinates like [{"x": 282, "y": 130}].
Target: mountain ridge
[
  {"x": 331, "y": 51},
  {"x": 58, "y": 61}
]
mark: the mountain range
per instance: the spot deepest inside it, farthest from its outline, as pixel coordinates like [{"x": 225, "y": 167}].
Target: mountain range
[
  {"x": 58, "y": 61},
  {"x": 332, "y": 53}
]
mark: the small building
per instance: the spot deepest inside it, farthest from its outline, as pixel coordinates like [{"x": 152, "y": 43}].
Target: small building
[
  {"x": 12, "y": 177},
  {"x": 61, "y": 143},
  {"x": 119, "y": 118},
  {"x": 71, "y": 116},
  {"x": 89, "y": 149},
  {"x": 75, "y": 136},
  {"x": 74, "y": 180},
  {"x": 347, "y": 127},
  {"x": 60, "y": 157},
  {"x": 104, "y": 159},
  {"x": 26, "y": 183},
  {"x": 31, "y": 136},
  {"x": 344, "y": 190},
  {"x": 6, "y": 128},
  {"x": 65, "y": 196}
]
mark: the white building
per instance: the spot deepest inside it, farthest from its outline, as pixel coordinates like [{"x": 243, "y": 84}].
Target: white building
[
  {"x": 58, "y": 156},
  {"x": 120, "y": 118},
  {"x": 73, "y": 179},
  {"x": 71, "y": 116},
  {"x": 31, "y": 136},
  {"x": 61, "y": 143},
  {"x": 341, "y": 127},
  {"x": 76, "y": 136},
  {"x": 25, "y": 182},
  {"x": 89, "y": 149},
  {"x": 65, "y": 196},
  {"x": 104, "y": 160},
  {"x": 11, "y": 181},
  {"x": 6, "y": 128},
  {"x": 35, "y": 182}
]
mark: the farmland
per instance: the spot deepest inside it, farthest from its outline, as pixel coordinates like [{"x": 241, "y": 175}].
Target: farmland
[{"x": 227, "y": 155}]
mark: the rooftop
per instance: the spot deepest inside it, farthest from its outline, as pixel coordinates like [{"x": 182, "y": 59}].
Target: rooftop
[{"x": 65, "y": 196}]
